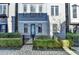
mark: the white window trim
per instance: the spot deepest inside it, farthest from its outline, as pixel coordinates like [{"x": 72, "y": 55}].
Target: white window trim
[
  {"x": 26, "y": 8},
  {"x": 2, "y": 8},
  {"x": 73, "y": 12},
  {"x": 39, "y": 8},
  {"x": 54, "y": 6},
  {"x": 34, "y": 7}
]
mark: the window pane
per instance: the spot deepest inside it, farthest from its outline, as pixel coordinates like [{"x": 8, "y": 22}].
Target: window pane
[
  {"x": 33, "y": 29},
  {"x": 3, "y": 20},
  {"x": 39, "y": 28},
  {"x": 4, "y": 9},
  {"x": 32, "y": 8},
  {"x": 56, "y": 10},
  {"x": 52, "y": 10},
  {"x": 3, "y": 28},
  {"x": 25, "y": 8},
  {"x": 0, "y": 9},
  {"x": 54, "y": 27},
  {"x": 25, "y": 28},
  {"x": 40, "y": 8},
  {"x": 74, "y": 11}
]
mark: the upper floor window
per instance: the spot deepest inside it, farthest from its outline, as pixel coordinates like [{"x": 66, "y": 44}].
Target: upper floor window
[
  {"x": 2, "y": 9},
  {"x": 74, "y": 7},
  {"x": 24, "y": 7},
  {"x": 33, "y": 8},
  {"x": 40, "y": 8},
  {"x": 54, "y": 10}
]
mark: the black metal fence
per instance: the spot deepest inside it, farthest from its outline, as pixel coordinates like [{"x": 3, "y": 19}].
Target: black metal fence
[{"x": 74, "y": 37}]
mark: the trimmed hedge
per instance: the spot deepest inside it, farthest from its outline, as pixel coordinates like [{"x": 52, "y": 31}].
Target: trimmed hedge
[
  {"x": 10, "y": 42},
  {"x": 49, "y": 43},
  {"x": 52, "y": 43},
  {"x": 43, "y": 37},
  {"x": 10, "y": 35},
  {"x": 72, "y": 35}
]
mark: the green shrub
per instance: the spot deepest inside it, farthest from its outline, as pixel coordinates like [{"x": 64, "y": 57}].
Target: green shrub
[
  {"x": 66, "y": 43},
  {"x": 69, "y": 35},
  {"x": 43, "y": 37},
  {"x": 71, "y": 42},
  {"x": 10, "y": 35},
  {"x": 10, "y": 42},
  {"x": 40, "y": 43},
  {"x": 72, "y": 35},
  {"x": 46, "y": 43},
  {"x": 54, "y": 44}
]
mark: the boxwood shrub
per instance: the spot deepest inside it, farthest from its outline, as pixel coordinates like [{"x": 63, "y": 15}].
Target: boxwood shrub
[
  {"x": 43, "y": 37},
  {"x": 72, "y": 35},
  {"x": 52, "y": 43},
  {"x": 10, "y": 35},
  {"x": 49, "y": 43},
  {"x": 10, "y": 42}
]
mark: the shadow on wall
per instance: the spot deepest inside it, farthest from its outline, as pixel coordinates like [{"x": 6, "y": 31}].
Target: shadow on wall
[{"x": 62, "y": 33}]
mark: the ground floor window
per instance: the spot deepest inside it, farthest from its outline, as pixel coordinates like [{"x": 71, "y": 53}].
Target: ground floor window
[
  {"x": 39, "y": 28},
  {"x": 3, "y": 28},
  {"x": 54, "y": 28},
  {"x": 25, "y": 28}
]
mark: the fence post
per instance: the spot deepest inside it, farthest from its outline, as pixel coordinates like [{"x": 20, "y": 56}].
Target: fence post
[{"x": 23, "y": 39}]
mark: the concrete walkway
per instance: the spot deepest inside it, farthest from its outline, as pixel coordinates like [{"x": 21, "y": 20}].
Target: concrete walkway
[
  {"x": 69, "y": 51},
  {"x": 27, "y": 50},
  {"x": 76, "y": 50}
]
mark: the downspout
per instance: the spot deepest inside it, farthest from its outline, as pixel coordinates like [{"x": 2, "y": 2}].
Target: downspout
[
  {"x": 16, "y": 17},
  {"x": 67, "y": 13}
]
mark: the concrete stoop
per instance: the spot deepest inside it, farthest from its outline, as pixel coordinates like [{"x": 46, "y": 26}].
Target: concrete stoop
[
  {"x": 28, "y": 42},
  {"x": 69, "y": 51}
]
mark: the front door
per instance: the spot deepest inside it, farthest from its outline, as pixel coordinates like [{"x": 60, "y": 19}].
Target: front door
[{"x": 33, "y": 30}]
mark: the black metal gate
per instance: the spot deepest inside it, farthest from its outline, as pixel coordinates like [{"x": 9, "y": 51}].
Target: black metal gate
[
  {"x": 76, "y": 41},
  {"x": 26, "y": 41}
]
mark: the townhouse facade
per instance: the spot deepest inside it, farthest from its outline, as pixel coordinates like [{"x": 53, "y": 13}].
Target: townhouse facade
[{"x": 47, "y": 19}]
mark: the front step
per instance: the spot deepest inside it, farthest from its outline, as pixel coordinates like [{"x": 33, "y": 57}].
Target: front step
[{"x": 28, "y": 42}]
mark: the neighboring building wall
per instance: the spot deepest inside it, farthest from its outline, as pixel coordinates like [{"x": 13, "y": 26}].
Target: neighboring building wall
[
  {"x": 60, "y": 19},
  {"x": 11, "y": 13},
  {"x": 3, "y": 17},
  {"x": 13, "y": 23},
  {"x": 3, "y": 25},
  {"x": 74, "y": 20}
]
